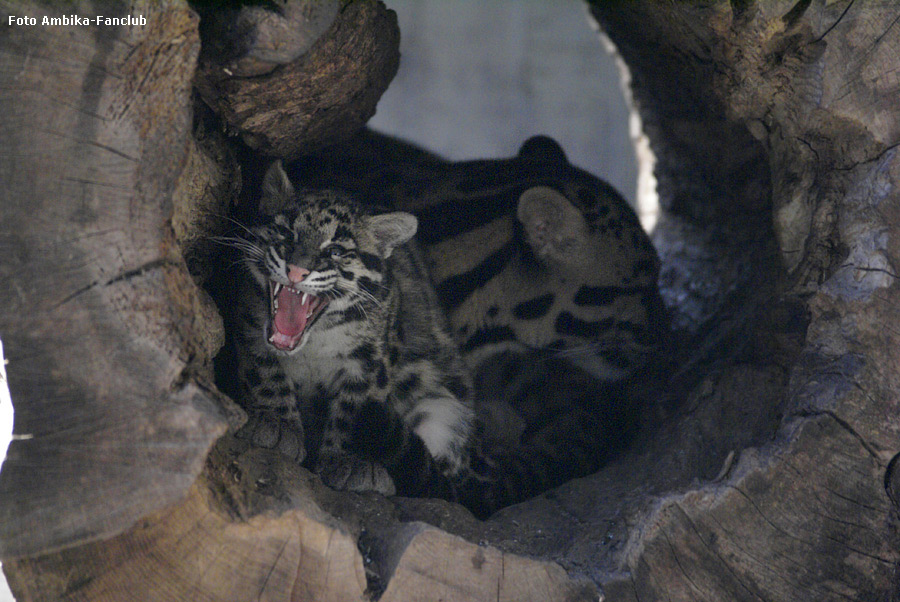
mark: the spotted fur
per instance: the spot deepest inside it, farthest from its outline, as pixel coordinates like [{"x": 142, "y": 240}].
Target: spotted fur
[
  {"x": 335, "y": 315},
  {"x": 549, "y": 283},
  {"x": 527, "y": 253}
]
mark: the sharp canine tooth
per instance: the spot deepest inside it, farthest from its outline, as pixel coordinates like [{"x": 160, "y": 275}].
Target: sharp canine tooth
[
  {"x": 303, "y": 298},
  {"x": 276, "y": 288}
]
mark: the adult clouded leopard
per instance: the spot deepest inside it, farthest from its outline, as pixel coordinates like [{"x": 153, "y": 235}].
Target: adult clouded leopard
[{"x": 525, "y": 253}]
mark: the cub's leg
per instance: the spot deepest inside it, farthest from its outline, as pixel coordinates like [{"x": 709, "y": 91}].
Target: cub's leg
[
  {"x": 273, "y": 415},
  {"x": 337, "y": 466}
]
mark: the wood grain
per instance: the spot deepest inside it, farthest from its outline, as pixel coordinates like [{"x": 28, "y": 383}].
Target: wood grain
[
  {"x": 318, "y": 99},
  {"x": 98, "y": 309},
  {"x": 809, "y": 87}
]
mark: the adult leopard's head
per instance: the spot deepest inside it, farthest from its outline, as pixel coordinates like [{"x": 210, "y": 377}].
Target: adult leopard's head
[
  {"x": 607, "y": 315},
  {"x": 320, "y": 258}
]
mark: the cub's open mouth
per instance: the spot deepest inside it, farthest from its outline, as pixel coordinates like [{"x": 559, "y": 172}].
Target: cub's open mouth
[{"x": 292, "y": 313}]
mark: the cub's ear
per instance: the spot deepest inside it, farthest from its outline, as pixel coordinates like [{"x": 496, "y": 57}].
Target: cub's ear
[
  {"x": 277, "y": 190},
  {"x": 390, "y": 230}
]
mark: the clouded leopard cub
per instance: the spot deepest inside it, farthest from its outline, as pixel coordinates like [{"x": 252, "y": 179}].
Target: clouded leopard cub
[
  {"x": 549, "y": 283},
  {"x": 337, "y": 314}
]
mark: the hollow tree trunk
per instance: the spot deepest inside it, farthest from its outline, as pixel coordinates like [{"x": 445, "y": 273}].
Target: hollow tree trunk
[
  {"x": 809, "y": 515},
  {"x": 775, "y": 126},
  {"x": 99, "y": 317}
]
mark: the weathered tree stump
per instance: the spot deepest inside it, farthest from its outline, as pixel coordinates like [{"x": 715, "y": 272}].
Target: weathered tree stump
[
  {"x": 100, "y": 318},
  {"x": 295, "y": 82},
  {"x": 769, "y": 474},
  {"x": 777, "y": 122}
]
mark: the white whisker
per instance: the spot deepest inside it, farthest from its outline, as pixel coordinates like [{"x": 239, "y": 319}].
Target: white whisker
[
  {"x": 577, "y": 350},
  {"x": 240, "y": 244},
  {"x": 231, "y": 220},
  {"x": 366, "y": 295}
]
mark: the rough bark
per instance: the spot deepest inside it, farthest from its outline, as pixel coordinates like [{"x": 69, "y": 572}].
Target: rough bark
[
  {"x": 107, "y": 210},
  {"x": 318, "y": 99},
  {"x": 99, "y": 314},
  {"x": 805, "y": 516},
  {"x": 254, "y": 527}
]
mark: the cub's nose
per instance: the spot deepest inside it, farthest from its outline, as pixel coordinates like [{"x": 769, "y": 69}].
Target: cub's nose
[{"x": 296, "y": 274}]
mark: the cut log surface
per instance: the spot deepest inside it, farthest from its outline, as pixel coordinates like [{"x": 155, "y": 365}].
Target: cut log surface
[
  {"x": 805, "y": 516},
  {"x": 198, "y": 551},
  {"x": 438, "y": 566},
  {"x": 99, "y": 315},
  {"x": 254, "y": 528},
  {"x": 108, "y": 492},
  {"x": 253, "y": 40}
]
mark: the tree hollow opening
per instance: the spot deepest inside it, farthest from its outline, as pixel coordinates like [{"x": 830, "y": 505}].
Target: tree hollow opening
[{"x": 734, "y": 338}]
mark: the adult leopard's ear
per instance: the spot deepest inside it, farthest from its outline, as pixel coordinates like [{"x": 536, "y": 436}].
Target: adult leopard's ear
[
  {"x": 390, "y": 230},
  {"x": 554, "y": 228},
  {"x": 277, "y": 190},
  {"x": 543, "y": 148}
]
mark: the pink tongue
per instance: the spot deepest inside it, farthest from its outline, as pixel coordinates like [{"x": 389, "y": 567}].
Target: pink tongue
[{"x": 290, "y": 317}]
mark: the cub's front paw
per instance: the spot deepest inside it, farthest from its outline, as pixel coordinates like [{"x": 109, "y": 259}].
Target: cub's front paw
[
  {"x": 352, "y": 473},
  {"x": 269, "y": 432}
]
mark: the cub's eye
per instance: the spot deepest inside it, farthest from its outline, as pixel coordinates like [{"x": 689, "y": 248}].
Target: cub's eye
[{"x": 335, "y": 251}]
